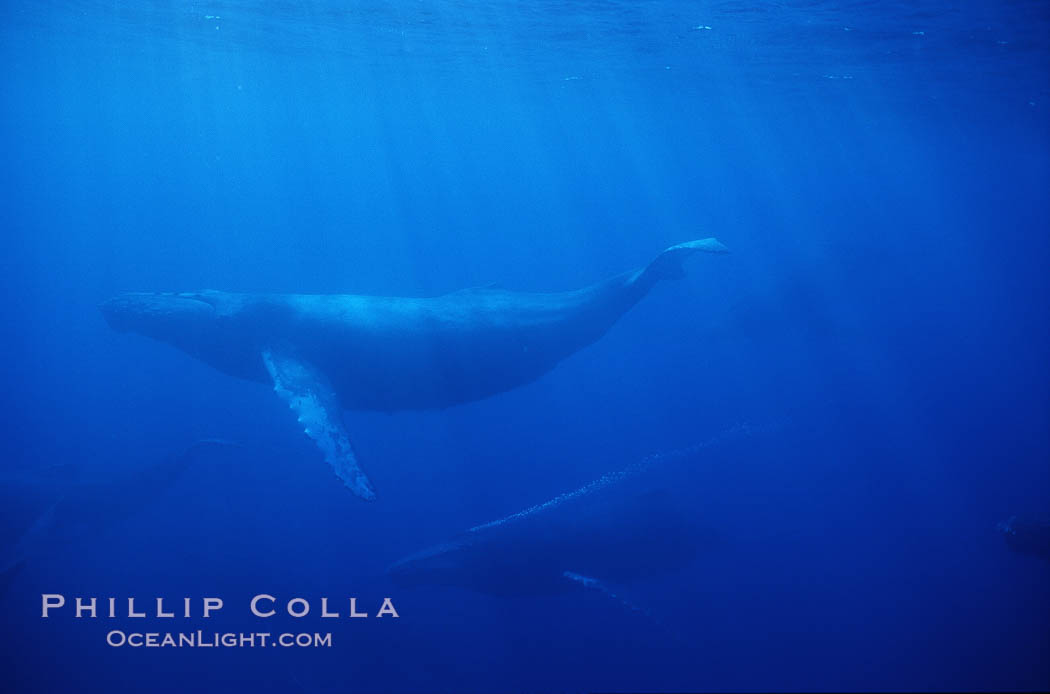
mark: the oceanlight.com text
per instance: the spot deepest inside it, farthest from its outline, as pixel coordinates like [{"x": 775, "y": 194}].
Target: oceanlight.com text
[{"x": 201, "y": 639}]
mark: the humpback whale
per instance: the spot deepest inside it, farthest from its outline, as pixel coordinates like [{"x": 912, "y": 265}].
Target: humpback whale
[
  {"x": 1027, "y": 535},
  {"x": 70, "y": 513},
  {"x": 592, "y": 542},
  {"x": 628, "y": 525},
  {"x": 326, "y": 353}
]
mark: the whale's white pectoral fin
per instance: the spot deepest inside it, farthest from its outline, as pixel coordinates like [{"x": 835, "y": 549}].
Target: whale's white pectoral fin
[
  {"x": 596, "y": 585},
  {"x": 309, "y": 394}
]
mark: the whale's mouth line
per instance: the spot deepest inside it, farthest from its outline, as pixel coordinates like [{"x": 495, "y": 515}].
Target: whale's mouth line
[
  {"x": 185, "y": 296},
  {"x": 128, "y": 312},
  {"x": 195, "y": 296}
]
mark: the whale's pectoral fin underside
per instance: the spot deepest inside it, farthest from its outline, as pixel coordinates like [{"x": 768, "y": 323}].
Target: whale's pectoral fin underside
[
  {"x": 308, "y": 392},
  {"x": 599, "y": 587}
]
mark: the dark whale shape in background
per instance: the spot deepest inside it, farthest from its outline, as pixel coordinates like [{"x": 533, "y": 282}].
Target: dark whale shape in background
[
  {"x": 636, "y": 523},
  {"x": 553, "y": 549},
  {"x": 324, "y": 353},
  {"x": 1027, "y": 535},
  {"x": 74, "y": 512}
]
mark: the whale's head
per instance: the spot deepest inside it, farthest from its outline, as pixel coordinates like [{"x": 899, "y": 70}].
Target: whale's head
[{"x": 175, "y": 318}]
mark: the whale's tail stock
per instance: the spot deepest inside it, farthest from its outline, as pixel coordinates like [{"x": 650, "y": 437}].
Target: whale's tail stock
[{"x": 668, "y": 265}]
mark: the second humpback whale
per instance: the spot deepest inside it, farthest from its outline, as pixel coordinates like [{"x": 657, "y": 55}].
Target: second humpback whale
[
  {"x": 71, "y": 513},
  {"x": 324, "y": 353},
  {"x": 635, "y": 523}
]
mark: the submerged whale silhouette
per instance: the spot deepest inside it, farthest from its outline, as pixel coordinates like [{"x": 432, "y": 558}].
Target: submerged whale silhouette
[
  {"x": 590, "y": 542},
  {"x": 72, "y": 512},
  {"x": 324, "y": 353},
  {"x": 635, "y": 523}
]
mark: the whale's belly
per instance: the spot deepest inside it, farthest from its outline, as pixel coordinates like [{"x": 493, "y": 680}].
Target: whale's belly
[{"x": 427, "y": 372}]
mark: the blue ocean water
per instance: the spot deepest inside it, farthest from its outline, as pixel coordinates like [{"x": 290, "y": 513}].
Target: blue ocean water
[{"x": 870, "y": 362}]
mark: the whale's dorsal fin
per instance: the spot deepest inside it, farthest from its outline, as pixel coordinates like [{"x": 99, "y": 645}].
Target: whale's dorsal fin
[{"x": 308, "y": 392}]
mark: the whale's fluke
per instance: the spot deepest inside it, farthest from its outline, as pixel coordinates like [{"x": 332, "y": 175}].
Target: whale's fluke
[{"x": 668, "y": 265}]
